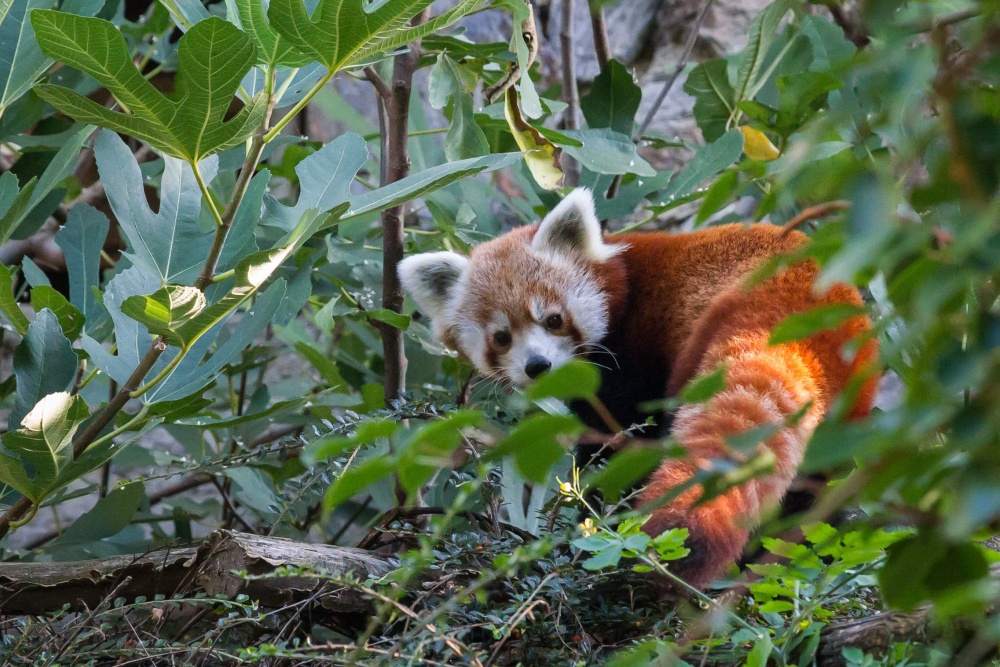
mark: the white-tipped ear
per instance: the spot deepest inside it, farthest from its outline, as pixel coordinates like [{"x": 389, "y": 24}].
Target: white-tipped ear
[
  {"x": 572, "y": 228},
  {"x": 431, "y": 279}
]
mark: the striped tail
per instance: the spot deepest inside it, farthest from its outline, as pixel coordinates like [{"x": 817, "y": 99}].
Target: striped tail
[{"x": 765, "y": 385}]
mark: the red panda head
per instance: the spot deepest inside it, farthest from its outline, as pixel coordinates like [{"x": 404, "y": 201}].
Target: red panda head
[{"x": 525, "y": 302}]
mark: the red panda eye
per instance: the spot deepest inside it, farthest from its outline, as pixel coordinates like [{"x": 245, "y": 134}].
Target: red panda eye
[
  {"x": 501, "y": 338},
  {"x": 553, "y": 321}
]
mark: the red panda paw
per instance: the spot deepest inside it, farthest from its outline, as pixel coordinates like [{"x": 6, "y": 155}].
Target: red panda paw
[{"x": 715, "y": 542}]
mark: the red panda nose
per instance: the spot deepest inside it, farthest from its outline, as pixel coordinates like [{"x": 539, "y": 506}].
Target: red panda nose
[{"x": 536, "y": 366}]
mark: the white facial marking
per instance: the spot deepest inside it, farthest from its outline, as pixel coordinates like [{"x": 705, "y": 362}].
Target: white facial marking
[
  {"x": 472, "y": 341},
  {"x": 589, "y": 310},
  {"x": 534, "y": 341}
]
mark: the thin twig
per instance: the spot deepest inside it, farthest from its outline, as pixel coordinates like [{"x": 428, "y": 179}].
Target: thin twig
[
  {"x": 602, "y": 46},
  {"x": 395, "y": 141},
  {"x": 672, "y": 79},
  {"x": 813, "y": 212}
]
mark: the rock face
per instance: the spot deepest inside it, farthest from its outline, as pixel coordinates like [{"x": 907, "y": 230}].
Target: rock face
[{"x": 649, "y": 36}]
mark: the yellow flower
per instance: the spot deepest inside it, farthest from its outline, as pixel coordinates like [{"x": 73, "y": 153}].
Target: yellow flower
[
  {"x": 566, "y": 489},
  {"x": 588, "y": 528}
]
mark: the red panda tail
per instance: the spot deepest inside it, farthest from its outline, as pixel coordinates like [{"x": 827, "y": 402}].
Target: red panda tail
[{"x": 765, "y": 385}]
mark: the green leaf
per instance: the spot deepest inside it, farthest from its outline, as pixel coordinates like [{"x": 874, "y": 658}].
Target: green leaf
[
  {"x": 109, "y": 516},
  {"x": 38, "y": 198},
  {"x": 165, "y": 310},
  {"x": 630, "y": 194},
  {"x": 355, "y": 479},
  {"x": 577, "y": 379},
  {"x": 185, "y": 13},
  {"x": 341, "y": 33},
  {"x": 802, "y": 325},
  {"x": 707, "y": 161},
  {"x": 21, "y": 61},
  {"x": 870, "y": 225},
  {"x": 718, "y": 194},
  {"x": 763, "y": 31},
  {"x": 761, "y": 651},
  {"x": 8, "y": 304},
  {"x": 199, "y": 329},
  {"x": 714, "y": 98},
  {"x": 624, "y": 469},
  {"x": 431, "y": 447},
  {"x": 802, "y": 95},
  {"x": 14, "y": 203},
  {"x": 605, "y": 151},
  {"x": 253, "y": 489},
  {"x": 450, "y": 81},
  {"x": 168, "y": 244},
  {"x": 390, "y": 317},
  {"x": 81, "y": 241},
  {"x": 192, "y": 374},
  {"x": 364, "y": 434},
  {"x": 325, "y": 179},
  {"x": 613, "y": 99},
  {"x": 96, "y": 456},
  {"x": 703, "y": 387},
  {"x": 536, "y": 443},
  {"x": 272, "y": 49},
  {"x": 187, "y": 123},
  {"x": 607, "y": 557},
  {"x": 44, "y": 363},
  {"x": 421, "y": 183},
  {"x": 33, "y": 275},
  {"x": 70, "y": 319},
  {"x": 326, "y": 366},
  {"x": 465, "y": 139},
  {"x": 43, "y": 442},
  {"x": 925, "y": 566},
  {"x": 830, "y": 46}
]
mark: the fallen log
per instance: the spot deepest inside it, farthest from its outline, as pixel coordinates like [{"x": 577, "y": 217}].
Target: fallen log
[
  {"x": 874, "y": 634},
  {"x": 40, "y": 588},
  {"x": 877, "y": 633}
]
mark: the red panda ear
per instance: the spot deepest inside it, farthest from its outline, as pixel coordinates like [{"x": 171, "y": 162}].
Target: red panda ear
[
  {"x": 572, "y": 228},
  {"x": 431, "y": 279}
]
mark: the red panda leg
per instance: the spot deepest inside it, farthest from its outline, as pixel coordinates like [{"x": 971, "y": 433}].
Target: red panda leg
[{"x": 764, "y": 385}]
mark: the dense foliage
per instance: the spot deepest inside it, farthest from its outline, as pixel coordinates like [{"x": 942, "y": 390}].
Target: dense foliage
[{"x": 245, "y": 312}]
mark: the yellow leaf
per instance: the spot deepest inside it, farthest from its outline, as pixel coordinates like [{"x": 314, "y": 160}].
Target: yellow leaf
[
  {"x": 540, "y": 154},
  {"x": 757, "y": 146}
]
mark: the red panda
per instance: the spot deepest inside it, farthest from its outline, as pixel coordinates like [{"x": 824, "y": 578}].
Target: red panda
[{"x": 658, "y": 309}]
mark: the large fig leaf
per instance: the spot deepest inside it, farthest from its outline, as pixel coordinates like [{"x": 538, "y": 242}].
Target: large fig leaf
[{"x": 187, "y": 123}]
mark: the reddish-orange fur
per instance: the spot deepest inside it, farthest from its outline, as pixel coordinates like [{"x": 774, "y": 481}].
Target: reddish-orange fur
[
  {"x": 687, "y": 309},
  {"x": 678, "y": 305}
]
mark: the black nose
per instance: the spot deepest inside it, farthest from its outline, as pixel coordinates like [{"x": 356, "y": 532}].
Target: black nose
[{"x": 536, "y": 366}]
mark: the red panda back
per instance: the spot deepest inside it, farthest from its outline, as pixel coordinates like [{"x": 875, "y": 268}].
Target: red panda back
[{"x": 688, "y": 305}]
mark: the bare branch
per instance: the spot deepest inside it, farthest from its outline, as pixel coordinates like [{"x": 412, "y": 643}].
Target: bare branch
[
  {"x": 813, "y": 212},
  {"x": 681, "y": 64},
  {"x": 602, "y": 46},
  {"x": 396, "y": 166}
]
